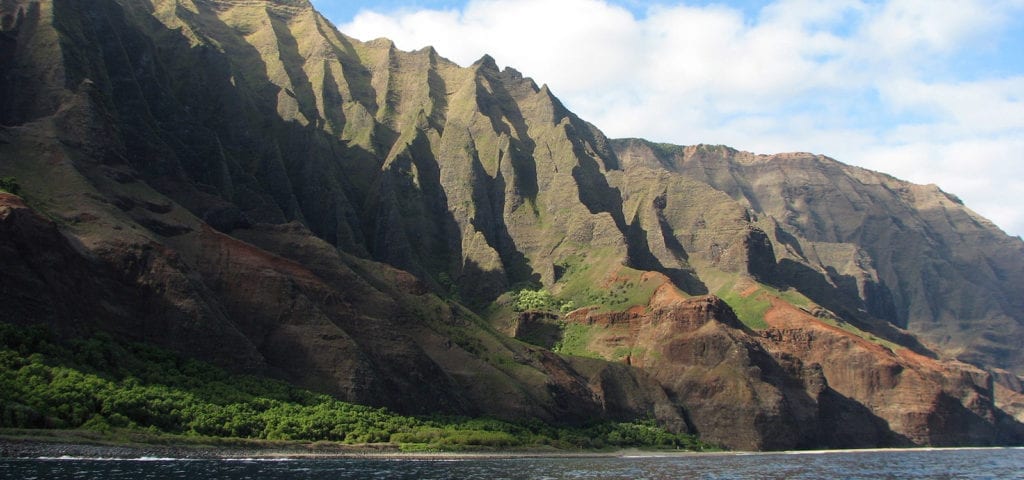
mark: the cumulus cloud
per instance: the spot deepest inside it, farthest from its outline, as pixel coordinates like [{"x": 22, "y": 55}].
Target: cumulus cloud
[{"x": 880, "y": 84}]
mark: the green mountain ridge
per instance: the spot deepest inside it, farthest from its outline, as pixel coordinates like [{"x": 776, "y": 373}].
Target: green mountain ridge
[{"x": 240, "y": 182}]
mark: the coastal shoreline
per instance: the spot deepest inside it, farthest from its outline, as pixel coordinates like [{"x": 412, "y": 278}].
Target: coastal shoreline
[
  {"x": 16, "y": 448},
  {"x": 13, "y": 447}
]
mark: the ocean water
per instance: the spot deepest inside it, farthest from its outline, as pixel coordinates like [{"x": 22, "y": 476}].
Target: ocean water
[{"x": 997, "y": 463}]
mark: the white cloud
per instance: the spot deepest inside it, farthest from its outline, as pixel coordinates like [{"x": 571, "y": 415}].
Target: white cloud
[
  {"x": 870, "y": 83},
  {"x": 988, "y": 173},
  {"x": 912, "y": 28},
  {"x": 969, "y": 108}
]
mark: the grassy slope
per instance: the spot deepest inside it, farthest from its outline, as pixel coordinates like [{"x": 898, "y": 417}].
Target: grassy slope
[
  {"x": 751, "y": 300},
  {"x": 594, "y": 280},
  {"x": 600, "y": 280}
]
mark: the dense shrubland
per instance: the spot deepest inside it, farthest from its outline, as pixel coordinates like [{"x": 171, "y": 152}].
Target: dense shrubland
[
  {"x": 10, "y": 185},
  {"x": 104, "y": 385},
  {"x": 539, "y": 300}
]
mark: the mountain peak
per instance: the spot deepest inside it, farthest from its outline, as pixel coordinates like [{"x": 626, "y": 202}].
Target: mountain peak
[
  {"x": 486, "y": 62},
  {"x": 381, "y": 42}
]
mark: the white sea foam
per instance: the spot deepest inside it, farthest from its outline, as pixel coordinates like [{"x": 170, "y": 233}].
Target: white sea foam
[
  {"x": 81, "y": 459},
  {"x": 115, "y": 459},
  {"x": 258, "y": 459},
  {"x": 883, "y": 450}
]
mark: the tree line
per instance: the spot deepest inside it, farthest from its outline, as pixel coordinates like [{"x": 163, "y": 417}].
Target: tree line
[{"x": 103, "y": 384}]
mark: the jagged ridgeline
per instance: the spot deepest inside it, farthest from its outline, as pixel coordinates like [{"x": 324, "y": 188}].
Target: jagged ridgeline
[{"x": 240, "y": 182}]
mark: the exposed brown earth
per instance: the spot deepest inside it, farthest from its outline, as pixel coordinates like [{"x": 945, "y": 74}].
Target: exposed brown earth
[{"x": 799, "y": 382}]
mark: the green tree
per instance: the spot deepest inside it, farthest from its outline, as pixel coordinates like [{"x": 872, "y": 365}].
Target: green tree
[
  {"x": 527, "y": 300},
  {"x": 10, "y": 185}
]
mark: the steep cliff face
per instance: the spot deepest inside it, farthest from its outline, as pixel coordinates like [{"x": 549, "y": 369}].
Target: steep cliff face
[
  {"x": 871, "y": 248},
  {"x": 260, "y": 112},
  {"x": 241, "y": 182},
  {"x": 800, "y": 383},
  {"x": 184, "y": 174}
]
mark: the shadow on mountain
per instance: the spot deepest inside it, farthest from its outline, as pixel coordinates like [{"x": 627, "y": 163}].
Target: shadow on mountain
[
  {"x": 639, "y": 256},
  {"x": 838, "y": 294},
  {"x": 956, "y": 425},
  {"x": 490, "y": 201},
  {"x": 846, "y": 423},
  {"x": 825, "y": 420}
]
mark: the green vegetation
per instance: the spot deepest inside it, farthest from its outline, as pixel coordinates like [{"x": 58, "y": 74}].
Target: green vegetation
[
  {"x": 665, "y": 151},
  {"x": 624, "y": 287},
  {"x": 102, "y": 385},
  {"x": 623, "y": 352},
  {"x": 540, "y": 300},
  {"x": 750, "y": 308},
  {"x": 10, "y": 185},
  {"x": 628, "y": 291},
  {"x": 576, "y": 340},
  {"x": 751, "y": 305},
  {"x": 596, "y": 280},
  {"x": 860, "y": 333},
  {"x": 450, "y": 287},
  {"x": 794, "y": 297}
]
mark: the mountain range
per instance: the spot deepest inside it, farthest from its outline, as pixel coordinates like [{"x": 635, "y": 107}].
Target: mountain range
[{"x": 240, "y": 182}]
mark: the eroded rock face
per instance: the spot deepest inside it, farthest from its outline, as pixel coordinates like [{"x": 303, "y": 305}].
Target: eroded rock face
[
  {"x": 874, "y": 249},
  {"x": 214, "y": 167},
  {"x": 141, "y": 290},
  {"x": 799, "y": 383},
  {"x": 308, "y": 318}
]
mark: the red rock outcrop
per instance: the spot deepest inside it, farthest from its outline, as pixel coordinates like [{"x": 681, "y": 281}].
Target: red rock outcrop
[{"x": 799, "y": 383}]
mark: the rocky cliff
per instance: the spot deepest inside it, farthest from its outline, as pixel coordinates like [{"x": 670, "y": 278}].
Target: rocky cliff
[
  {"x": 241, "y": 182},
  {"x": 871, "y": 248},
  {"x": 800, "y": 382},
  {"x": 168, "y": 203}
]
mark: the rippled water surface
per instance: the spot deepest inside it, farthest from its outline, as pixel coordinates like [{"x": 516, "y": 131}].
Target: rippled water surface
[{"x": 1003, "y": 463}]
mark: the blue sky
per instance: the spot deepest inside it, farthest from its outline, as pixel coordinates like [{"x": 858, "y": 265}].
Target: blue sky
[
  {"x": 931, "y": 91},
  {"x": 342, "y": 11}
]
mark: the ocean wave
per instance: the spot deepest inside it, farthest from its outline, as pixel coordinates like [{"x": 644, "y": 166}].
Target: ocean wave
[
  {"x": 258, "y": 459},
  {"x": 114, "y": 459}
]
